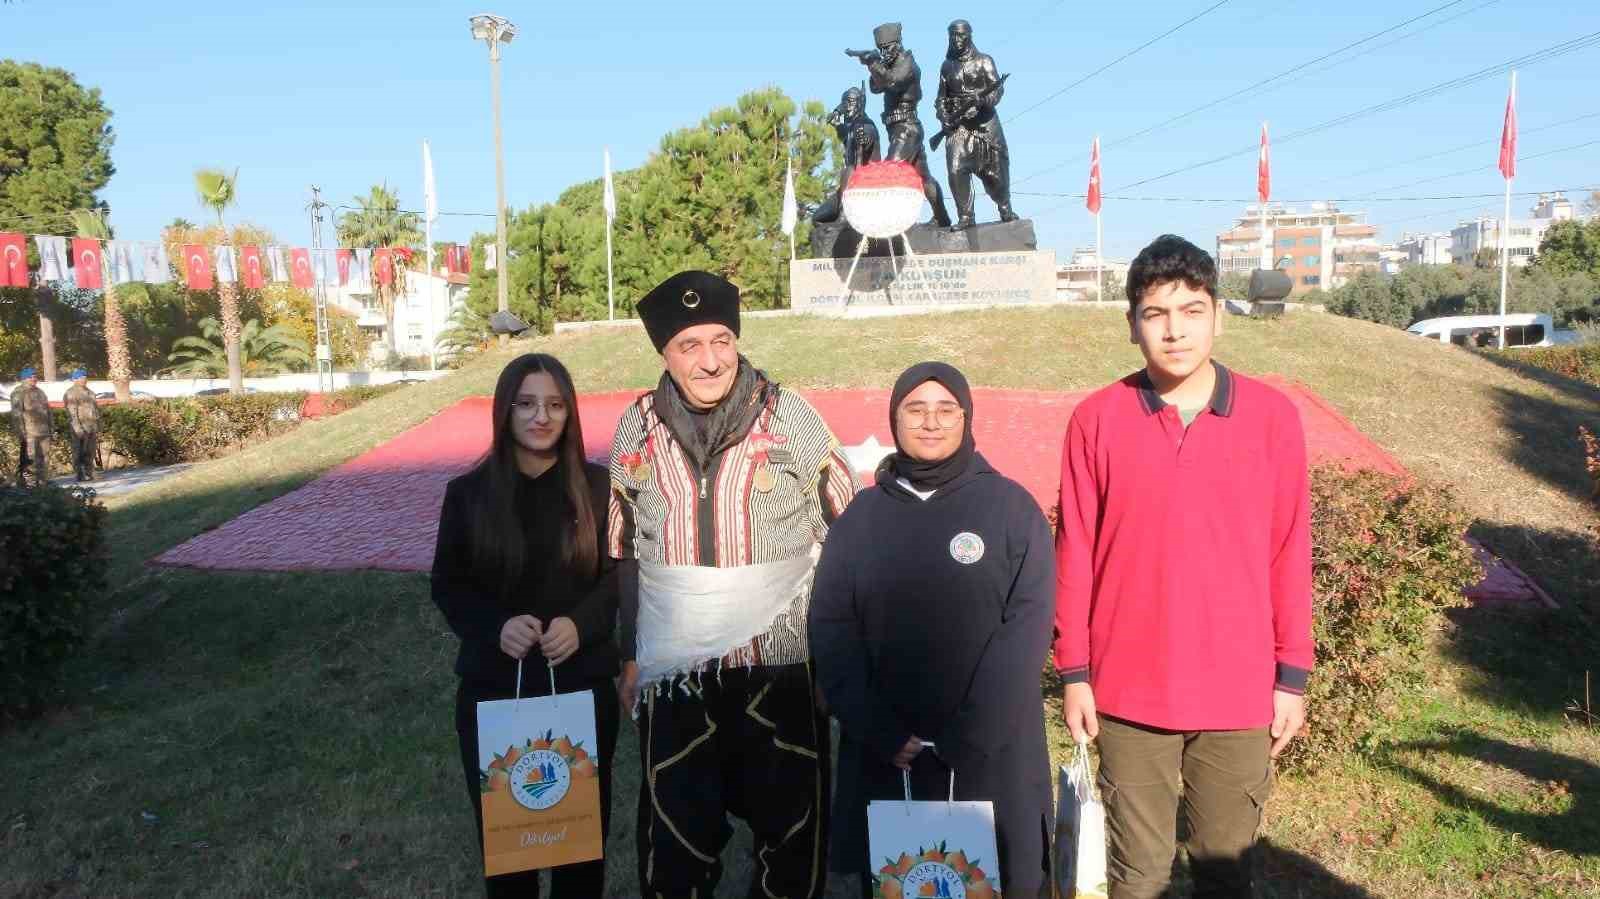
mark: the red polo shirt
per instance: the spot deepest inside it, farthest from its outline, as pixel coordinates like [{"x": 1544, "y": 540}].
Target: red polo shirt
[{"x": 1183, "y": 560}]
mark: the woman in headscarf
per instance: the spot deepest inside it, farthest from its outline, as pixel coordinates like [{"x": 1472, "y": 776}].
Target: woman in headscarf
[{"x": 929, "y": 621}]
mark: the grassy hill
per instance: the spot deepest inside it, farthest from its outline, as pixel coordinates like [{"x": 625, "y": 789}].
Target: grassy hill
[{"x": 289, "y": 733}]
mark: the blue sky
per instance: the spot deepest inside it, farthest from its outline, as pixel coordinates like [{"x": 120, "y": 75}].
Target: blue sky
[{"x": 341, "y": 95}]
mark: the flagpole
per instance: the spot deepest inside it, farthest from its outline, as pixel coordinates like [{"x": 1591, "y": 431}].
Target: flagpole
[
  {"x": 611, "y": 302},
  {"x": 609, "y": 204},
  {"x": 1505, "y": 238},
  {"x": 1099, "y": 262}
]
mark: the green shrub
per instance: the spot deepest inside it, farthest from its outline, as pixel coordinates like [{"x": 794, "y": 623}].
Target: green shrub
[
  {"x": 52, "y": 561},
  {"x": 1580, "y": 362},
  {"x": 1389, "y": 556}
]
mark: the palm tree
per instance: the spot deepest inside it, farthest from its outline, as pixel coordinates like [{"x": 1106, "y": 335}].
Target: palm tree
[
  {"x": 380, "y": 223},
  {"x": 218, "y": 191},
  {"x": 92, "y": 223},
  {"x": 468, "y": 333},
  {"x": 262, "y": 351}
]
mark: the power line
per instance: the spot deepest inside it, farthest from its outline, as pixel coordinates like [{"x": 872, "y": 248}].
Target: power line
[
  {"x": 1552, "y": 52},
  {"x": 1522, "y": 132},
  {"x": 1236, "y": 200},
  {"x": 1481, "y": 168},
  {"x": 1266, "y": 81},
  {"x": 1178, "y": 27}
]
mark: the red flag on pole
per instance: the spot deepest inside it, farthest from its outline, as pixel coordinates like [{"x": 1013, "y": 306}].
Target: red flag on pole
[
  {"x": 465, "y": 254},
  {"x": 86, "y": 262},
  {"x": 383, "y": 265},
  {"x": 452, "y": 259},
  {"x": 196, "y": 267},
  {"x": 1264, "y": 168},
  {"x": 1508, "y": 137},
  {"x": 1094, "y": 179},
  {"x": 342, "y": 260},
  {"x": 13, "y": 260},
  {"x": 251, "y": 258},
  {"x": 300, "y": 273}
]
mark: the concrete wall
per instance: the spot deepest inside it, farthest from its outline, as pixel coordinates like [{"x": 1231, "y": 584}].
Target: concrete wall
[{"x": 55, "y": 390}]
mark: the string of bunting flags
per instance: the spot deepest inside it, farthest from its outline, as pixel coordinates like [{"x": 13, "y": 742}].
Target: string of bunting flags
[{"x": 89, "y": 263}]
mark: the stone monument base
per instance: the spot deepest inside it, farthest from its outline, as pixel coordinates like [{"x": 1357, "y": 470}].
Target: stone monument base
[
  {"x": 837, "y": 239},
  {"x": 957, "y": 280}
]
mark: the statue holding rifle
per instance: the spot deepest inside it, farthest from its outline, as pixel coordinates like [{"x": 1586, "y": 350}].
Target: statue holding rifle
[
  {"x": 970, "y": 88},
  {"x": 895, "y": 74}
]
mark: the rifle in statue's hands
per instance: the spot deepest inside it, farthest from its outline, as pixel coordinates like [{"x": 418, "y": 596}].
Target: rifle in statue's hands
[
  {"x": 967, "y": 107},
  {"x": 865, "y": 57}
]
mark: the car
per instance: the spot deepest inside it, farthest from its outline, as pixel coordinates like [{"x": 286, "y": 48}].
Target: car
[
  {"x": 1523, "y": 329},
  {"x": 137, "y": 395}
]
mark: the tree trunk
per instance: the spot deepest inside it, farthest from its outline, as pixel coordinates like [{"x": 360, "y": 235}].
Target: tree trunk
[
  {"x": 228, "y": 294},
  {"x": 386, "y": 299},
  {"x": 47, "y": 334},
  {"x": 118, "y": 359}
]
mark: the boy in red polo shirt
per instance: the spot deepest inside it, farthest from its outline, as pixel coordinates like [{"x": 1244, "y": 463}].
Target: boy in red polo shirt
[{"x": 1183, "y": 586}]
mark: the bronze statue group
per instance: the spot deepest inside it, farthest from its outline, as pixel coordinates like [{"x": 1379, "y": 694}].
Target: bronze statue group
[
  {"x": 731, "y": 580},
  {"x": 970, "y": 89}
]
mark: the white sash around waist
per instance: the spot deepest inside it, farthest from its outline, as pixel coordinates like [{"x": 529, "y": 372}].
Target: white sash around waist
[{"x": 691, "y": 615}]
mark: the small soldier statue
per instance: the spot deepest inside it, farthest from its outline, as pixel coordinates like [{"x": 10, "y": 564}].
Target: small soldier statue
[{"x": 860, "y": 139}]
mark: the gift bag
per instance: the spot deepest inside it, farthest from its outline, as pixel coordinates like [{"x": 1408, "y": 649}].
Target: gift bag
[
  {"x": 1080, "y": 832},
  {"x": 940, "y": 849},
  {"x": 540, "y": 784}
]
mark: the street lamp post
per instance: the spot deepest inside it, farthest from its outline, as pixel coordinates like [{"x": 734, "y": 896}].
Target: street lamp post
[{"x": 494, "y": 31}]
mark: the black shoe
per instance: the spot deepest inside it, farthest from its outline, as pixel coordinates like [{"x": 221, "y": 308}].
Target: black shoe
[
  {"x": 963, "y": 224},
  {"x": 1007, "y": 215}
]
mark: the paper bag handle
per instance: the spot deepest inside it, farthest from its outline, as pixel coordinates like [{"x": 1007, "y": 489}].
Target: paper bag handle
[
  {"x": 905, "y": 779},
  {"x": 548, "y": 667}
]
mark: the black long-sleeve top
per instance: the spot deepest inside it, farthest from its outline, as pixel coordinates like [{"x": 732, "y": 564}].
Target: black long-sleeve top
[
  {"x": 933, "y": 617},
  {"x": 477, "y": 604}
]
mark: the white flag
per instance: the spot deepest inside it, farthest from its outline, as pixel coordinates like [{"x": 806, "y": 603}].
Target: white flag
[
  {"x": 609, "y": 201},
  {"x": 275, "y": 263},
  {"x": 225, "y": 270},
  {"x": 361, "y": 268},
  {"x": 791, "y": 212},
  {"x": 52, "y": 257},
  {"x": 157, "y": 270},
  {"x": 323, "y": 268},
  {"x": 489, "y": 256},
  {"x": 430, "y": 200},
  {"x": 120, "y": 252}
]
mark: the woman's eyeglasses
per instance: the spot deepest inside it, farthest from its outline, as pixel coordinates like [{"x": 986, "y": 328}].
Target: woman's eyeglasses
[
  {"x": 530, "y": 408},
  {"x": 945, "y": 416}
]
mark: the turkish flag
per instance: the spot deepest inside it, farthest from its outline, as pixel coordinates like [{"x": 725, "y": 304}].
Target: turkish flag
[
  {"x": 1094, "y": 179},
  {"x": 1264, "y": 168},
  {"x": 1508, "y": 136},
  {"x": 300, "y": 273},
  {"x": 196, "y": 267},
  {"x": 250, "y": 258},
  {"x": 452, "y": 262},
  {"x": 13, "y": 260},
  {"x": 86, "y": 263},
  {"x": 464, "y": 259},
  {"x": 342, "y": 258},
  {"x": 383, "y": 265}
]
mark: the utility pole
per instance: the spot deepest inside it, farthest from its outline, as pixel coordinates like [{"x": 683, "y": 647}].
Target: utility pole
[{"x": 320, "y": 296}]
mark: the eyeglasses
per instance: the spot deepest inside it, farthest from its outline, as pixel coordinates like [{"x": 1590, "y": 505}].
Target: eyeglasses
[
  {"x": 946, "y": 417},
  {"x": 553, "y": 408}
]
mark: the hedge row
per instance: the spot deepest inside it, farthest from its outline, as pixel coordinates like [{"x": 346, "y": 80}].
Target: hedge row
[{"x": 184, "y": 429}]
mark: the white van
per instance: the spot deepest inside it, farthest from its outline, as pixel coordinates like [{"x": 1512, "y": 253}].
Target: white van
[{"x": 1523, "y": 329}]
